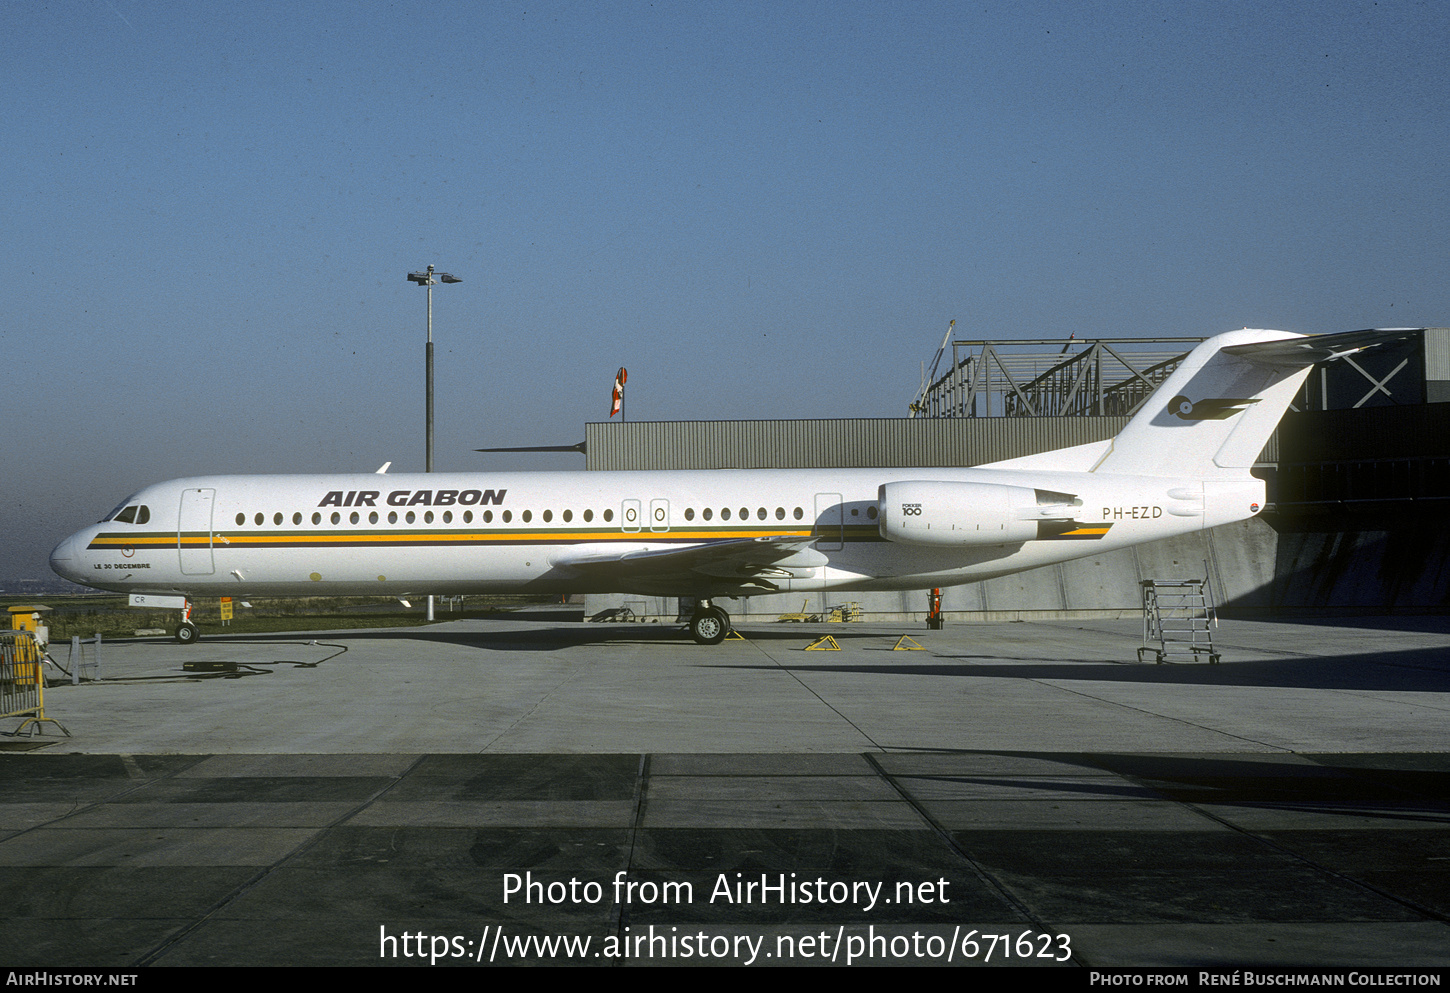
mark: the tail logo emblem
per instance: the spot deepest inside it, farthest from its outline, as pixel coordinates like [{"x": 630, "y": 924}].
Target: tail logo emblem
[{"x": 1207, "y": 410}]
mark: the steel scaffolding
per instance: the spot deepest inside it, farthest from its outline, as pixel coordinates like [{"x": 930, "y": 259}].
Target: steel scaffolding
[{"x": 1047, "y": 377}]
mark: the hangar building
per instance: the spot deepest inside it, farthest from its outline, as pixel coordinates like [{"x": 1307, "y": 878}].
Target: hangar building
[{"x": 1358, "y": 479}]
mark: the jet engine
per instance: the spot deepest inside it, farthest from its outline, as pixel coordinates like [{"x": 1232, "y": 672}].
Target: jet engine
[{"x": 926, "y": 512}]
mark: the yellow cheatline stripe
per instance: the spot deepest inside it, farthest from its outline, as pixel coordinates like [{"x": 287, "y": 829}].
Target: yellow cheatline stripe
[
  {"x": 220, "y": 539},
  {"x": 477, "y": 536}
]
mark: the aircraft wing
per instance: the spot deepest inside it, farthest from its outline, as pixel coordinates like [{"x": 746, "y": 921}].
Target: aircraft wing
[
  {"x": 1306, "y": 350},
  {"x": 752, "y": 565}
]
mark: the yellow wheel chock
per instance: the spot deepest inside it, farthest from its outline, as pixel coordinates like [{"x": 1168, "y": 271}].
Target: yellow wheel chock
[
  {"x": 825, "y": 643},
  {"x": 906, "y": 643}
]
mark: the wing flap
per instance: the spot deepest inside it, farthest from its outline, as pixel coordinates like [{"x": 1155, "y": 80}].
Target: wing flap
[{"x": 745, "y": 560}]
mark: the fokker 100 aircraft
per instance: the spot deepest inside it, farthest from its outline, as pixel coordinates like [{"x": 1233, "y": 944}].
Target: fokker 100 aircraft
[{"x": 1181, "y": 464}]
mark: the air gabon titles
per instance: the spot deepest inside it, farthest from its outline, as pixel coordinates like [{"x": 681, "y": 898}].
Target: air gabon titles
[{"x": 413, "y": 498}]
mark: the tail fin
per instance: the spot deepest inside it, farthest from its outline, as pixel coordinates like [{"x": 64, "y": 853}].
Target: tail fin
[{"x": 1215, "y": 413}]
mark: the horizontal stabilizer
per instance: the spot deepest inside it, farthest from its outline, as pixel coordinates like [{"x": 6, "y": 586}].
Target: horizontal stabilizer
[
  {"x": 539, "y": 448},
  {"x": 1213, "y": 415},
  {"x": 1297, "y": 352}
]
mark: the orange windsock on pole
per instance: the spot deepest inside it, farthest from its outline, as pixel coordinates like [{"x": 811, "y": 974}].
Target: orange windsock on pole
[{"x": 618, "y": 402}]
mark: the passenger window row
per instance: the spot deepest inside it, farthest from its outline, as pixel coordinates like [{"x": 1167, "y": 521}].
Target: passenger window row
[
  {"x": 411, "y": 517},
  {"x": 487, "y": 516},
  {"x": 760, "y": 512}
]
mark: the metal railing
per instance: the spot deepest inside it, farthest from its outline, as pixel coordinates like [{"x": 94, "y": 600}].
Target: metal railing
[{"x": 22, "y": 683}]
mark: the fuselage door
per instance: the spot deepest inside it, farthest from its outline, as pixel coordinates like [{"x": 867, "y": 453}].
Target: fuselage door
[
  {"x": 629, "y": 515},
  {"x": 830, "y": 522},
  {"x": 193, "y": 532},
  {"x": 659, "y": 514}
]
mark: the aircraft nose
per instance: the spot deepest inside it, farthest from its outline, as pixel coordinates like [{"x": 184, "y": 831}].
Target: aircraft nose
[{"x": 64, "y": 561}]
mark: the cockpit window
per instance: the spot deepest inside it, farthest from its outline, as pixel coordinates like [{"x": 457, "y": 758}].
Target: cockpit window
[
  {"x": 116, "y": 510},
  {"x": 136, "y": 513}
]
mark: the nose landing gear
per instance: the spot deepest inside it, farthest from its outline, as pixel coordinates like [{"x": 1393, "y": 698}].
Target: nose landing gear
[{"x": 187, "y": 632}]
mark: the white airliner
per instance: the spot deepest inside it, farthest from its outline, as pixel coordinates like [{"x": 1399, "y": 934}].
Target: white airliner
[{"x": 1181, "y": 464}]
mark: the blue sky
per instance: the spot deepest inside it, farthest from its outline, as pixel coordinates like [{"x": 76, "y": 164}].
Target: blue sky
[{"x": 762, "y": 210}]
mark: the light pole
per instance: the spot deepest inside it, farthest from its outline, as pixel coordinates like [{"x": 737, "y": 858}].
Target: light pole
[{"x": 426, "y": 279}]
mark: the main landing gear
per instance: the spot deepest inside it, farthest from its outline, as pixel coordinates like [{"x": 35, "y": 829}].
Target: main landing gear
[{"x": 709, "y": 624}]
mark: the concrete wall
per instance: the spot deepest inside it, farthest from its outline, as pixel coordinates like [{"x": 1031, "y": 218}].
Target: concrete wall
[
  {"x": 1252, "y": 567},
  {"x": 1240, "y": 559},
  {"x": 1400, "y": 569}
]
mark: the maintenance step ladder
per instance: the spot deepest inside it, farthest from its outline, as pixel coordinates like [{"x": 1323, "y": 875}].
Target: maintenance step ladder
[{"x": 1178, "y": 620}]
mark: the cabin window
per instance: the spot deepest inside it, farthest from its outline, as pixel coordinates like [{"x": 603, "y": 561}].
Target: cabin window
[
  {"x": 468, "y": 517},
  {"x": 689, "y": 513},
  {"x": 260, "y": 519},
  {"x": 548, "y": 516},
  {"x": 241, "y": 519},
  {"x": 725, "y": 513},
  {"x": 707, "y": 513},
  {"x": 411, "y": 517},
  {"x": 447, "y": 517},
  {"x": 373, "y": 517},
  {"x": 428, "y": 517},
  {"x": 780, "y": 513},
  {"x": 488, "y": 517},
  {"x": 316, "y": 518},
  {"x": 609, "y": 514},
  {"x": 528, "y": 516},
  {"x": 760, "y": 513},
  {"x": 392, "y": 517},
  {"x": 588, "y": 516},
  {"x": 336, "y": 517},
  {"x": 297, "y": 518},
  {"x": 799, "y": 513},
  {"x": 871, "y": 512},
  {"x": 508, "y": 516},
  {"x": 855, "y": 512},
  {"x": 352, "y": 518},
  {"x": 276, "y": 520}
]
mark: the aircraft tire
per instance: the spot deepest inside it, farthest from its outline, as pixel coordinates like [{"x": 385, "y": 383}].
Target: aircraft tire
[
  {"x": 187, "y": 633},
  {"x": 709, "y": 627}
]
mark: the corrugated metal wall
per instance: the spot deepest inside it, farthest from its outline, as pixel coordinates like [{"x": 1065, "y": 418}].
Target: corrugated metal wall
[
  {"x": 846, "y": 443},
  {"x": 827, "y": 444},
  {"x": 1437, "y": 365},
  {"x": 1412, "y": 431}
]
